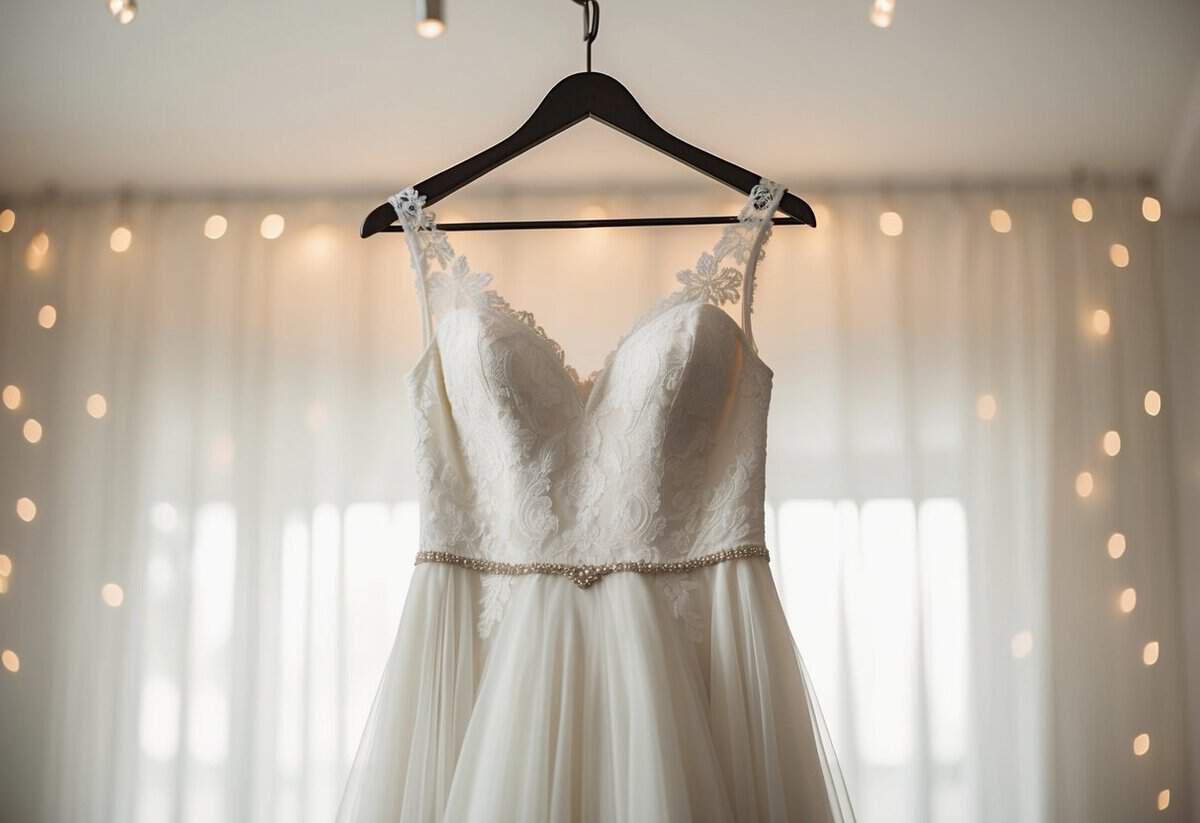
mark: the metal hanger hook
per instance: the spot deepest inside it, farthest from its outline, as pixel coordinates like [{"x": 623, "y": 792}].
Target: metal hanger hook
[{"x": 591, "y": 25}]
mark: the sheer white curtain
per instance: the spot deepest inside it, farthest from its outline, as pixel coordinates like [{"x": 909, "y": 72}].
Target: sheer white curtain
[{"x": 224, "y": 439}]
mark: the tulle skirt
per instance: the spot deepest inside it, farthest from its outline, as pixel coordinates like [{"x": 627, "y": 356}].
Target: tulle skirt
[{"x": 595, "y": 705}]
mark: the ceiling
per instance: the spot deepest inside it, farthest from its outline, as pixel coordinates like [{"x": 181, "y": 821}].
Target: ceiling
[{"x": 321, "y": 94}]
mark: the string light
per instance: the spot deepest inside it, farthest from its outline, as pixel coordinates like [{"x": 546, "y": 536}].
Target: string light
[
  {"x": 1118, "y": 253},
  {"x": 215, "y": 226},
  {"x": 1151, "y": 209},
  {"x": 1101, "y": 322},
  {"x": 32, "y": 430},
  {"x": 12, "y": 397},
  {"x": 121, "y": 239},
  {"x": 1128, "y": 600},
  {"x": 1152, "y": 403},
  {"x": 10, "y": 660},
  {"x": 26, "y": 509},
  {"x": 1084, "y": 484},
  {"x": 112, "y": 595},
  {"x": 47, "y": 316},
  {"x": 986, "y": 408},
  {"x": 5, "y": 566},
  {"x": 1001, "y": 221},
  {"x": 882, "y": 12},
  {"x": 1116, "y": 545},
  {"x": 96, "y": 406},
  {"x": 8, "y": 219},
  {"x": 1112, "y": 443},
  {"x": 431, "y": 21},
  {"x": 1081, "y": 209},
  {"x": 123, "y": 11},
  {"x": 1164, "y": 800},
  {"x": 1141, "y": 744},
  {"x": 38, "y": 250},
  {"x": 272, "y": 226},
  {"x": 891, "y": 224},
  {"x": 1150, "y": 653}
]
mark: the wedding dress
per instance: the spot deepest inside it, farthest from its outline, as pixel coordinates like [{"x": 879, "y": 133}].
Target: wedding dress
[{"x": 592, "y": 632}]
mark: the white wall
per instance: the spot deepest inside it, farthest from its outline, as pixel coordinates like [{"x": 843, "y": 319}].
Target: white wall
[{"x": 1181, "y": 293}]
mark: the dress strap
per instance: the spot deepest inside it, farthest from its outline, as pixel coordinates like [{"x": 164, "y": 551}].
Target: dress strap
[
  {"x": 764, "y": 200},
  {"x": 417, "y": 223}
]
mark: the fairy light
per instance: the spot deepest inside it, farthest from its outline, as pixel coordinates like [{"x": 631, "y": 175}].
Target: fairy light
[
  {"x": 112, "y": 595},
  {"x": 891, "y": 224},
  {"x": 215, "y": 226},
  {"x": 1152, "y": 403},
  {"x": 1085, "y": 484},
  {"x": 1128, "y": 600},
  {"x": 1101, "y": 322},
  {"x": 1081, "y": 209},
  {"x": 121, "y": 239},
  {"x": 11, "y": 397},
  {"x": 26, "y": 509},
  {"x": 272, "y": 226},
  {"x": 32, "y": 431},
  {"x": 96, "y": 406},
  {"x": 1141, "y": 744},
  {"x": 1116, "y": 545},
  {"x": 8, "y": 219},
  {"x": 1150, "y": 653},
  {"x": 882, "y": 12},
  {"x": 1001, "y": 221},
  {"x": 10, "y": 660},
  {"x": 1151, "y": 209},
  {"x": 1118, "y": 254},
  {"x": 47, "y": 316},
  {"x": 1111, "y": 443}
]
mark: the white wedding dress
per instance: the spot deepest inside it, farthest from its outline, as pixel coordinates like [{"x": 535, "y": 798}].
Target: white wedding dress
[{"x": 592, "y": 632}]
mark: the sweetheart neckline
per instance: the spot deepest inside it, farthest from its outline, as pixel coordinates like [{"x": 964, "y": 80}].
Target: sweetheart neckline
[{"x": 642, "y": 323}]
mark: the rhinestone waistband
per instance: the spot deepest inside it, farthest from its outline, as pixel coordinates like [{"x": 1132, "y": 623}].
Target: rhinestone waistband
[{"x": 584, "y": 575}]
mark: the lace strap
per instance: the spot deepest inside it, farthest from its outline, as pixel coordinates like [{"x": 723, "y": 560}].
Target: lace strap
[
  {"x": 418, "y": 225},
  {"x": 764, "y": 200}
]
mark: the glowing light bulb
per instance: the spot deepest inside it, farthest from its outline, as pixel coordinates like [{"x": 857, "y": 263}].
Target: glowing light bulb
[
  {"x": 1001, "y": 221},
  {"x": 121, "y": 239},
  {"x": 1081, "y": 209},
  {"x": 47, "y": 316},
  {"x": 882, "y": 12},
  {"x": 1112, "y": 443},
  {"x": 8, "y": 219},
  {"x": 272, "y": 226},
  {"x": 891, "y": 224},
  {"x": 215, "y": 226},
  {"x": 431, "y": 22},
  {"x": 1152, "y": 403},
  {"x": 1116, "y": 545},
  {"x": 1151, "y": 209}
]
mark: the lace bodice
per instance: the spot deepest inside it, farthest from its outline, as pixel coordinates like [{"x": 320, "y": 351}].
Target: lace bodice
[{"x": 658, "y": 457}]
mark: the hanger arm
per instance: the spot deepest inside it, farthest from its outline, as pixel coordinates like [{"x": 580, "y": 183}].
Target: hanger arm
[{"x": 573, "y": 99}]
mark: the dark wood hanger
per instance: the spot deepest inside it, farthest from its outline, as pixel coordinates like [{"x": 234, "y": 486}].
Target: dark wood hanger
[{"x": 572, "y": 100}]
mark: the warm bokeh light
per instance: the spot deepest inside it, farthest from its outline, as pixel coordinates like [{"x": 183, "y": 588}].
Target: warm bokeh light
[
  {"x": 10, "y": 660},
  {"x": 47, "y": 316},
  {"x": 215, "y": 226},
  {"x": 40, "y": 243},
  {"x": 1101, "y": 321},
  {"x": 272, "y": 226},
  {"x": 1118, "y": 253},
  {"x": 1150, "y": 653},
  {"x": 1116, "y": 545},
  {"x": 1084, "y": 484},
  {"x": 1128, "y": 600},
  {"x": 35, "y": 254},
  {"x": 96, "y": 405},
  {"x": 121, "y": 239},
  {"x": 5, "y": 565},
  {"x": 1141, "y": 744},
  {"x": 1111, "y": 443},
  {"x": 1164, "y": 800},
  {"x": 1081, "y": 209},
  {"x": 882, "y": 12},
  {"x": 26, "y": 509},
  {"x": 1001, "y": 221},
  {"x": 1022, "y": 644},
  {"x": 891, "y": 224},
  {"x": 430, "y": 27},
  {"x": 12, "y": 397},
  {"x": 1152, "y": 402},
  {"x": 32, "y": 430},
  {"x": 112, "y": 595},
  {"x": 1151, "y": 209},
  {"x": 986, "y": 408},
  {"x": 8, "y": 219}
]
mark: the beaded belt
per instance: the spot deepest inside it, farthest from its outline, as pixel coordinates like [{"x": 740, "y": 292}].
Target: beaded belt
[{"x": 585, "y": 575}]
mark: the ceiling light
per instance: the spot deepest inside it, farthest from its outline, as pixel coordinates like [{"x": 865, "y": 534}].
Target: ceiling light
[{"x": 431, "y": 20}]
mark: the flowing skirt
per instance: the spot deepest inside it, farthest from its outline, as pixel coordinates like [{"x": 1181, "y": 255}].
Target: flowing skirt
[{"x": 595, "y": 705}]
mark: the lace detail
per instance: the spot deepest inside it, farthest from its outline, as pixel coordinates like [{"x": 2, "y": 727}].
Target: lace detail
[{"x": 654, "y": 462}]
